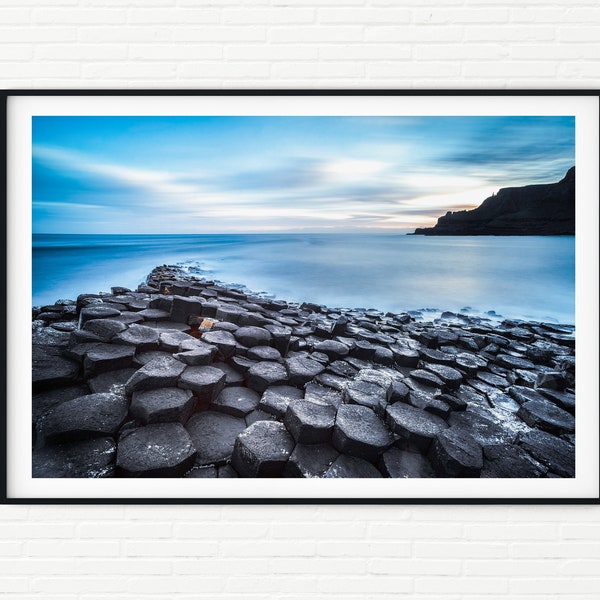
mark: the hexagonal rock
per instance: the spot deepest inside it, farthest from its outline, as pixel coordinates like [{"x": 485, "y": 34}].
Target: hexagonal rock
[
  {"x": 253, "y": 336},
  {"x": 183, "y": 308},
  {"x": 302, "y": 369},
  {"x": 417, "y": 427},
  {"x": 405, "y": 357},
  {"x": 360, "y": 432},
  {"x": 428, "y": 402},
  {"x": 264, "y": 353},
  {"x": 237, "y": 401},
  {"x": 140, "y": 336},
  {"x": 436, "y": 356},
  {"x": 451, "y": 377},
  {"x": 397, "y": 392},
  {"x": 262, "y": 450},
  {"x": 201, "y": 355},
  {"x": 154, "y": 314},
  {"x": 214, "y": 435},
  {"x": 564, "y": 400},
  {"x": 310, "y": 460},
  {"x": 513, "y": 362},
  {"x": 223, "y": 341},
  {"x": 366, "y": 394},
  {"x": 324, "y": 395},
  {"x": 469, "y": 363},
  {"x": 554, "y": 453},
  {"x": 351, "y": 466},
  {"x": 51, "y": 368},
  {"x": 206, "y": 382},
  {"x": 266, "y": 373},
  {"x": 107, "y": 357},
  {"x": 111, "y": 381},
  {"x": 456, "y": 454},
  {"x": 310, "y": 422},
  {"x": 87, "y": 458},
  {"x": 542, "y": 414},
  {"x": 171, "y": 340},
  {"x": 94, "y": 415},
  {"x": 159, "y": 450},
  {"x": 276, "y": 399},
  {"x": 280, "y": 337},
  {"x": 510, "y": 461},
  {"x": 364, "y": 350},
  {"x": 523, "y": 394},
  {"x": 97, "y": 312},
  {"x": 105, "y": 329},
  {"x": 158, "y": 373},
  {"x": 334, "y": 350},
  {"x": 426, "y": 378},
  {"x": 398, "y": 463},
  {"x": 164, "y": 405}
]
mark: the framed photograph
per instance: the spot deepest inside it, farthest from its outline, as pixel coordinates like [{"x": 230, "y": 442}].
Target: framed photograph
[{"x": 301, "y": 296}]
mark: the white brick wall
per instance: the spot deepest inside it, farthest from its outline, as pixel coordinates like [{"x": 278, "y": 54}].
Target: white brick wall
[{"x": 293, "y": 552}]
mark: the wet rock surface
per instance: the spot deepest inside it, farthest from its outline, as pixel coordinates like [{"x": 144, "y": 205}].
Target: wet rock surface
[{"x": 186, "y": 378}]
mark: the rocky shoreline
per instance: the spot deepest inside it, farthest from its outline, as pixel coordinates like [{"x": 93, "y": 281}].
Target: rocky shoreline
[{"x": 185, "y": 377}]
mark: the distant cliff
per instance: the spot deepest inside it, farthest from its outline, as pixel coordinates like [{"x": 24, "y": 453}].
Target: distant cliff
[{"x": 547, "y": 209}]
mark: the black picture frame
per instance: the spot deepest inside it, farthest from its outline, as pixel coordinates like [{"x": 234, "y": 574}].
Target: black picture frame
[{"x": 446, "y": 490}]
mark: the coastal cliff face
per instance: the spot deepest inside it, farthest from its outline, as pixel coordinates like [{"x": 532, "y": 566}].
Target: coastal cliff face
[{"x": 547, "y": 209}]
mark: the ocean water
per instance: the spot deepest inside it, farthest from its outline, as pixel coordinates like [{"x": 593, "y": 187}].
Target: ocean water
[{"x": 529, "y": 278}]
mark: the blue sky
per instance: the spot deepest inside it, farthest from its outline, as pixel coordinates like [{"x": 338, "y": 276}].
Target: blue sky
[{"x": 280, "y": 174}]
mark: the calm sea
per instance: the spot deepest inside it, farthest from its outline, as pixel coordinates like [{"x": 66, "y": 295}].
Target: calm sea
[{"x": 517, "y": 277}]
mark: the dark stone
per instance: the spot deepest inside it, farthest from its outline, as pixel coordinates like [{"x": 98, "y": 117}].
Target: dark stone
[
  {"x": 111, "y": 381},
  {"x": 88, "y": 458},
  {"x": 542, "y": 414},
  {"x": 364, "y": 350},
  {"x": 405, "y": 357},
  {"x": 230, "y": 313},
  {"x": 50, "y": 368},
  {"x": 159, "y": 450},
  {"x": 311, "y": 460},
  {"x": 513, "y": 362},
  {"x": 342, "y": 368},
  {"x": 223, "y": 341},
  {"x": 140, "y": 336},
  {"x": 366, "y": 394},
  {"x": 486, "y": 430},
  {"x": 206, "y": 382},
  {"x": 556, "y": 454},
  {"x": 266, "y": 373},
  {"x": 397, "y": 392},
  {"x": 171, "y": 341},
  {"x": 262, "y": 450},
  {"x": 398, "y": 463},
  {"x": 276, "y": 399},
  {"x": 454, "y": 402},
  {"x": 564, "y": 400},
  {"x": 253, "y": 336},
  {"x": 551, "y": 380},
  {"x": 456, "y": 454},
  {"x": 325, "y": 395},
  {"x": 158, "y": 373},
  {"x": 259, "y": 353},
  {"x": 107, "y": 357},
  {"x": 91, "y": 416},
  {"x": 258, "y": 415},
  {"x": 302, "y": 370},
  {"x": 164, "y": 405},
  {"x": 351, "y": 467},
  {"x": 333, "y": 381},
  {"x": 310, "y": 422},
  {"x": 280, "y": 337},
  {"x": 44, "y": 402},
  {"x": 523, "y": 394},
  {"x": 426, "y": 378},
  {"x": 97, "y": 312},
  {"x": 105, "y": 329},
  {"x": 510, "y": 461},
  {"x": 493, "y": 379},
  {"x": 182, "y": 308},
  {"x": 436, "y": 356},
  {"x": 213, "y": 435},
  {"x": 415, "y": 426},
  {"x": 236, "y": 401},
  {"x": 360, "y": 432},
  {"x": 430, "y": 403},
  {"x": 451, "y": 377},
  {"x": 334, "y": 350}
]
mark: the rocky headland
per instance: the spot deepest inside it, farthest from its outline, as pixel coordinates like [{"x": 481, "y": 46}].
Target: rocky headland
[
  {"x": 546, "y": 209},
  {"x": 185, "y": 377}
]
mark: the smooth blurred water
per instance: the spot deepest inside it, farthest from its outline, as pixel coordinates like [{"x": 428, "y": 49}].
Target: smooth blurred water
[{"x": 518, "y": 277}]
